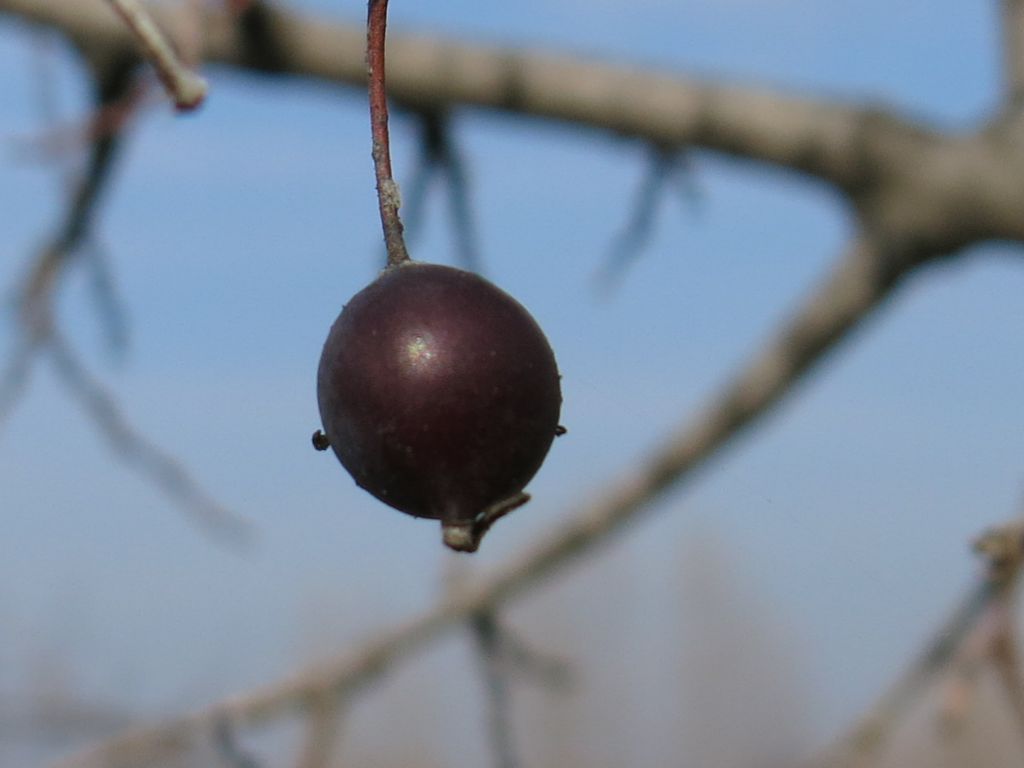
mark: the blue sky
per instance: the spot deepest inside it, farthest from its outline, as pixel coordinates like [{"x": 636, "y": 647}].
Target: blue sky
[{"x": 238, "y": 233}]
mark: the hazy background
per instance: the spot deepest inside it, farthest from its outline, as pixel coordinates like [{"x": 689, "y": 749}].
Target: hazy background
[{"x": 804, "y": 566}]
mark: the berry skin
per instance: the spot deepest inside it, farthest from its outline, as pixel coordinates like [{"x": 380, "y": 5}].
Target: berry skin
[{"x": 440, "y": 395}]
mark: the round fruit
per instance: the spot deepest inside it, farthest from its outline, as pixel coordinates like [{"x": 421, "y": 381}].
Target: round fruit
[{"x": 439, "y": 394}]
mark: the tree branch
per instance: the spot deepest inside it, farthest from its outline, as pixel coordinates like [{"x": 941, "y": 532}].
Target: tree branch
[
  {"x": 186, "y": 88},
  {"x": 135, "y": 450},
  {"x": 322, "y": 728},
  {"x": 1002, "y": 548},
  {"x": 1006, "y": 658},
  {"x": 34, "y": 300},
  {"x": 847, "y": 296},
  {"x": 861, "y": 744},
  {"x": 916, "y": 208},
  {"x": 821, "y": 139},
  {"x": 487, "y": 633},
  {"x": 628, "y": 244},
  {"x": 114, "y": 77}
]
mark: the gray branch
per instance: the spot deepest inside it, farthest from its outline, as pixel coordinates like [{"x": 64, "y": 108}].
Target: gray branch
[
  {"x": 908, "y": 180},
  {"x": 861, "y": 281},
  {"x": 1013, "y": 51},
  {"x": 322, "y": 726},
  {"x": 918, "y": 194},
  {"x": 818, "y": 138},
  {"x": 487, "y": 633},
  {"x": 137, "y": 451},
  {"x": 1002, "y": 548}
]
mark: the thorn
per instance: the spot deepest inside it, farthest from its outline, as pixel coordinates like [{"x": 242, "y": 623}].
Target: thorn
[{"x": 320, "y": 441}]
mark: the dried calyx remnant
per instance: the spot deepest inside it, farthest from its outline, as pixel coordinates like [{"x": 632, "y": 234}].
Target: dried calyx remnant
[{"x": 438, "y": 392}]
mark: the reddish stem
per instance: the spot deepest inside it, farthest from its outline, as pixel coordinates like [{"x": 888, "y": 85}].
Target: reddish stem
[{"x": 387, "y": 189}]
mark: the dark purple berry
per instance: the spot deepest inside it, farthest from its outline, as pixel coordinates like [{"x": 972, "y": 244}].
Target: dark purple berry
[{"x": 440, "y": 395}]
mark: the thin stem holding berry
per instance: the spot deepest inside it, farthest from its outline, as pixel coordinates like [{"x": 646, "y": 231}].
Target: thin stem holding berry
[{"x": 387, "y": 190}]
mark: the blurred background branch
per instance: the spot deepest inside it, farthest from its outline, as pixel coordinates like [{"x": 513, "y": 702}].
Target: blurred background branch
[
  {"x": 918, "y": 194},
  {"x": 984, "y": 618}
]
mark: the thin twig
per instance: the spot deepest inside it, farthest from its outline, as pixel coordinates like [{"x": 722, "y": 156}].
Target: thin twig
[
  {"x": 34, "y": 300},
  {"x": 114, "y": 87},
  {"x": 821, "y": 138},
  {"x": 487, "y": 634},
  {"x": 134, "y": 449},
  {"x": 228, "y": 750},
  {"x": 418, "y": 186},
  {"x": 459, "y": 200},
  {"x": 188, "y": 33},
  {"x": 962, "y": 676},
  {"x": 628, "y": 244},
  {"x": 1004, "y": 548},
  {"x": 186, "y": 88},
  {"x": 862, "y": 744},
  {"x": 107, "y": 298},
  {"x": 857, "y": 286},
  {"x": 59, "y": 139},
  {"x": 438, "y": 156},
  {"x": 388, "y": 197},
  {"x": 116, "y": 104},
  {"x": 551, "y": 672},
  {"x": 114, "y": 92},
  {"x": 1006, "y": 659}
]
